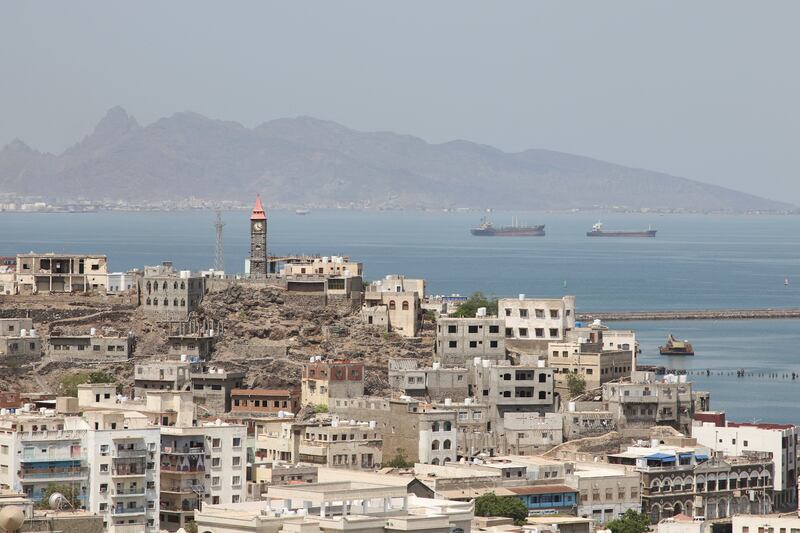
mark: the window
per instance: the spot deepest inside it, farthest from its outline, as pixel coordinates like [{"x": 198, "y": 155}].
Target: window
[
  {"x": 523, "y": 332},
  {"x": 472, "y": 329},
  {"x": 452, "y": 344},
  {"x": 216, "y": 443},
  {"x": 509, "y": 332},
  {"x": 452, "y": 329},
  {"x": 494, "y": 329},
  {"x": 236, "y": 461},
  {"x": 237, "y": 442},
  {"x": 215, "y": 462},
  {"x": 446, "y": 444},
  {"x": 540, "y": 333},
  {"x": 392, "y": 305},
  {"x": 473, "y": 344},
  {"x": 553, "y": 332},
  {"x": 523, "y": 313},
  {"x": 492, "y": 344},
  {"x": 508, "y": 311},
  {"x": 405, "y": 306}
]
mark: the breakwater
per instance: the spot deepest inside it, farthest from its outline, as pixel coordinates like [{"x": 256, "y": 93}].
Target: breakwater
[{"x": 699, "y": 314}]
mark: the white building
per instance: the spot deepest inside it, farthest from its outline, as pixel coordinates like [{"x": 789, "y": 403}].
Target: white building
[
  {"x": 531, "y": 319},
  {"x": 769, "y": 523},
  {"x": 735, "y": 438},
  {"x": 437, "y": 437}
]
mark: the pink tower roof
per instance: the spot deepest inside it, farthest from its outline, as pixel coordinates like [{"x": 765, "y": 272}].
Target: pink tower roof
[{"x": 258, "y": 211}]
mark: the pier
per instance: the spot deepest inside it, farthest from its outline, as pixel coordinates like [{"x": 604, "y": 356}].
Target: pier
[{"x": 698, "y": 314}]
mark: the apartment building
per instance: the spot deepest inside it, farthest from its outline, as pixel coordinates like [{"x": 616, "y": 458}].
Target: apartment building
[
  {"x": 51, "y": 272},
  {"x": 531, "y": 323},
  {"x": 473, "y": 434},
  {"x": 438, "y": 436},
  {"x": 324, "y": 380},
  {"x": 605, "y": 491},
  {"x": 506, "y": 388},
  {"x": 328, "y": 266},
  {"x": 691, "y": 481},
  {"x": 205, "y": 464},
  {"x": 323, "y": 440},
  {"x": 589, "y": 361},
  {"x": 400, "y": 312},
  {"x": 435, "y": 382},
  {"x": 460, "y": 340},
  {"x": 18, "y": 338},
  {"x": 124, "y": 469},
  {"x": 648, "y": 401},
  {"x": 165, "y": 375},
  {"x": 212, "y": 389},
  {"x": 529, "y": 433},
  {"x": 94, "y": 347},
  {"x": 265, "y": 401},
  {"x": 739, "y": 438},
  {"x": 168, "y": 295},
  {"x": 196, "y": 345}
]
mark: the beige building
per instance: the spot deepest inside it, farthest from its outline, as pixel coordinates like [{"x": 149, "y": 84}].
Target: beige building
[
  {"x": 8, "y": 278},
  {"x": 399, "y": 283},
  {"x": 648, "y": 401},
  {"x": 50, "y": 272},
  {"x": 434, "y": 382},
  {"x": 166, "y": 375},
  {"x": 529, "y": 433},
  {"x": 325, "y": 380},
  {"x": 400, "y": 312},
  {"x": 532, "y": 322},
  {"x": 460, "y": 340},
  {"x": 18, "y": 338},
  {"x": 166, "y": 294},
  {"x": 323, "y": 440},
  {"x": 605, "y": 491},
  {"x": 342, "y": 507},
  {"x": 91, "y": 347},
  {"x": 212, "y": 389},
  {"x": 333, "y": 266}
]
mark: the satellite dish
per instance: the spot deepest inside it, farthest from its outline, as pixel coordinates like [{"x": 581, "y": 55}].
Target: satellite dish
[
  {"x": 58, "y": 501},
  {"x": 11, "y": 518}
]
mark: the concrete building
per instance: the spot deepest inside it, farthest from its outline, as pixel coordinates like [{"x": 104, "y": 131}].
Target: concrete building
[
  {"x": 345, "y": 506},
  {"x": 212, "y": 388},
  {"x": 739, "y": 438},
  {"x": 324, "y": 440},
  {"x": 649, "y": 401},
  {"x": 124, "y": 470},
  {"x": 267, "y": 473},
  {"x": 434, "y": 383},
  {"x": 18, "y": 338},
  {"x": 200, "y": 465},
  {"x": 265, "y": 401},
  {"x": 162, "y": 408},
  {"x": 322, "y": 267},
  {"x": 460, "y": 340},
  {"x": 398, "y": 420},
  {"x": 473, "y": 434},
  {"x": 199, "y": 345},
  {"x": 165, "y": 375},
  {"x": 766, "y": 523},
  {"x": 587, "y": 419},
  {"x": 168, "y": 295},
  {"x": 595, "y": 367},
  {"x": 605, "y": 491},
  {"x": 325, "y": 380},
  {"x": 8, "y": 275},
  {"x": 400, "y": 312},
  {"x": 506, "y": 388},
  {"x": 91, "y": 347},
  {"x": 690, "y": 481},
  {"x": 399, "y": 283},
  {"x": 438, "y": 436},
  {"x": 51, "y": 272},
  {"x": 528, "y": 433},
  {"x": 532, "y": 323},
  {"x": 123, "y": 282}
]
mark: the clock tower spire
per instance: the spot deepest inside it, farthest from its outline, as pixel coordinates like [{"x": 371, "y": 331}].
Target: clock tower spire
[{"x": 258, "y": 240}]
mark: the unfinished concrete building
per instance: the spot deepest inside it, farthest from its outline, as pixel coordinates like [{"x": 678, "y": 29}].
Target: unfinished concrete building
[
  {"x": 212, "y": 389},
  {"x": 51, "y": 272},
  {"x": 434, "y": 383},
  {"x": 93, "y": 347},
  {"x": 531, "y": 323},
  {"x": 460, "y": 340},
  {"x": 649, "y": 401},
  {"x": 165, "y": 375},
  {"x": 265, "y": 401}
]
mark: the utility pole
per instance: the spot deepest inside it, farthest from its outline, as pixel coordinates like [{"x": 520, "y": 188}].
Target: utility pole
[{"x": 219, "y": 257}]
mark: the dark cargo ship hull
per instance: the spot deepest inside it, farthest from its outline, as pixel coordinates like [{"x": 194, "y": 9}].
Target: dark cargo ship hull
[
  {"x": 534, "y": 231},
  {"x": 648, "y": 233}
]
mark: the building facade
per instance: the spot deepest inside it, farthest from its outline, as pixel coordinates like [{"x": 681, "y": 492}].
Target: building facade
[{"x": 51, "y": 272}]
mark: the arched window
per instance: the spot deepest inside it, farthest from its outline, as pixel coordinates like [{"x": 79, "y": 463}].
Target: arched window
[
  {"x": 435, "y": 426},
  {"x": 446, "y": 460},
  {"x": 175, "y": 302},
  {"x": 164, "y": 285},
  {"x": 166, "y": 302},
  {"x": 175, "y": 285},
  {"x": 448, "y": 426},
  {"x": 446, "y": 444},
  {"x": 183, "y": 285},
  {"x": 435, "y": 445},
  {"x": 435, "y": 462},
  {"x": 392, "y": 305},
  {"x": 183, "y": 302},
  {"x": 148, "y": 301},
  {"x": 405, "y": 306},
  {"x": 148, "y": 287}
]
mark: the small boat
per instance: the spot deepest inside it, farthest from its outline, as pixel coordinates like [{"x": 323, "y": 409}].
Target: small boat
[
  {"x": 676, "y": 347},
  {"x": 598, "y": 231},
  {"x": 301, "y": 211}
]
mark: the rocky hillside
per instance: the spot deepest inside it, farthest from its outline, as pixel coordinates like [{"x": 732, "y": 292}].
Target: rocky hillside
[{"x": 305, "y": 161}]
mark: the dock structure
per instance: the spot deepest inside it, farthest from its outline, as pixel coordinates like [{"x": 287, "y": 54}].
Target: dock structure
[{"x": 691, "y": 314}]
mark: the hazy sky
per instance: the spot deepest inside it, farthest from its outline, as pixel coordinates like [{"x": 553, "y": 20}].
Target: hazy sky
[{"x": 707, "y": 90}]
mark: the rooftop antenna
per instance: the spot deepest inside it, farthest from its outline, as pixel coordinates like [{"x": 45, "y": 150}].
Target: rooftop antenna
[{"x": 219, "y": 250}]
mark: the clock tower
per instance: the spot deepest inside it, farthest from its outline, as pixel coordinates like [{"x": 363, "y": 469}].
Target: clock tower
[{"x": 258, "y": 241}]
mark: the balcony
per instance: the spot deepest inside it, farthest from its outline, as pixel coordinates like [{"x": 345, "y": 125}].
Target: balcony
[
  {"x": 127, "y": 511},
  {"x": 128, "y": 453},
  {"x": 53, "y": 474},
  {"x": 182, "y": 489},
  {"x": 132, "y": 492},
  {"x": 183, "y": 450},
  {"x": 55, "y": 458}
]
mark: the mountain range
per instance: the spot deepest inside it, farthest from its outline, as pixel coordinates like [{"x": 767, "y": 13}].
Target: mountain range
[{"x": 311, "y": 162}]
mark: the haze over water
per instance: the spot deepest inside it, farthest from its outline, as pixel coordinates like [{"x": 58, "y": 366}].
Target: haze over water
[{"x": 695, "y": 262}]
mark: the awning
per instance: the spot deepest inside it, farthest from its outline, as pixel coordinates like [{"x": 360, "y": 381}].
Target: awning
[
  {"x": 660, "y": 456},
  {"x": 701, "y": 457}
]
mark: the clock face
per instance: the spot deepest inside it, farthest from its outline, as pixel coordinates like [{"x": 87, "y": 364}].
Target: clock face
[{"x": 258, "y": 226}]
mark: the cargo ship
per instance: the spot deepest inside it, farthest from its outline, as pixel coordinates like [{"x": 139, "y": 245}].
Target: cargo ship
[
  {"x": 676, "y": 347},
  {"x": 487, "y": 229},
  {"x": 598, "y": 231}
]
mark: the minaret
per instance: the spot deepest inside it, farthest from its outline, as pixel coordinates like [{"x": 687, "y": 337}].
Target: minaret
[{"x": 258, "y": 240}]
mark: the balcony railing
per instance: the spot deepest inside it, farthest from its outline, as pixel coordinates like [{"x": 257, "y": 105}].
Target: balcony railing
[
  {"x": 53, "y": 474},
  {"x": 127, "y": 510},
  {"x": 138, "y": 452},
  {"x": 180, "y": 469},
  {"x": 182, "y": 489},
  {"x": 52, "y": 458},
  {"x": 183, "y": 450},
  {"x": 132, "y": 491}
]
